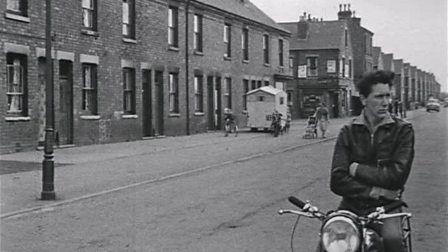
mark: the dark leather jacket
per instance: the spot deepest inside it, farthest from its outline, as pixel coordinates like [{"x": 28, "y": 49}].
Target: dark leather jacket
[{"x": 384, "y": 154}]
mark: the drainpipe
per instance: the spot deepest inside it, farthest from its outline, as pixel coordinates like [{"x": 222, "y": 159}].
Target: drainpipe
[{"x": 187, "y": 89}]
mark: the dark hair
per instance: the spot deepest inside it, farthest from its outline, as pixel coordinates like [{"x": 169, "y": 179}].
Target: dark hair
[{"x": 364, "y": 86}]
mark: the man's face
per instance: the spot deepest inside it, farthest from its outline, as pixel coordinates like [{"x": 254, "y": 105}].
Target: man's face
[{"x": 377, "y": 103}]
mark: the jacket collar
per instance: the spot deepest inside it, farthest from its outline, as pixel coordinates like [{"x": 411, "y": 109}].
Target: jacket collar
[{"x": 361, "y": 120}]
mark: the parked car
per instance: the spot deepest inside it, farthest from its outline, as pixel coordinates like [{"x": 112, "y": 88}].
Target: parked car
[
  {"x": 433, "y": 104},
  {"x": 445, "y": 103}
]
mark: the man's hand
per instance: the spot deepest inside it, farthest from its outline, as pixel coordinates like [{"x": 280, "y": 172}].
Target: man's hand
[
  {"x": 352, "y": 168},
  {"x": 378, "y": 192}
]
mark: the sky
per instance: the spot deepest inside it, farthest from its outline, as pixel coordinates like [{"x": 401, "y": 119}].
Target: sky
[{"x": 413, "y": 30}]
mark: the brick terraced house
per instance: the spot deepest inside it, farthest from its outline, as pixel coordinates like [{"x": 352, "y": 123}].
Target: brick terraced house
[{"x": 131, "y": 69}]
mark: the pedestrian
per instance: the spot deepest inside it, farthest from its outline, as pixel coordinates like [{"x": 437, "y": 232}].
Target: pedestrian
[
  {"x": 322, "y": 118},
  {"x": 396, "y": 104},
  {"x": 373, "y": 156}
]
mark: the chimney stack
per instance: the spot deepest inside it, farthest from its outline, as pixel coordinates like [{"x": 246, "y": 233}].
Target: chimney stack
[{"x": 345, "y": 13}]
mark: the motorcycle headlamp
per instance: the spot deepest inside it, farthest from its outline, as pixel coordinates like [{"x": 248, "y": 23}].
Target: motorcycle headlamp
[{"x": 340, "y": 234}]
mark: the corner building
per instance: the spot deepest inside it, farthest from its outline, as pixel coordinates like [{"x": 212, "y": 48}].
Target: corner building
[{"x": 131, "y": 69}]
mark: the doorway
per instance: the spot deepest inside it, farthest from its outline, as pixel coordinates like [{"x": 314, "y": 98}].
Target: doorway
[
  {"x": 158, "y": 84},
  {"x": 65, "y": 109},
  {"x": 214, "y": 102},
  {"x": 147, "y": 103}
]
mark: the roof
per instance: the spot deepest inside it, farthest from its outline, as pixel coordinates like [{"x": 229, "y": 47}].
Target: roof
[
  {"x": 321, "y": 35},
  {"x": 266, "y": 89},
  {"x": 245, "y": 9}
]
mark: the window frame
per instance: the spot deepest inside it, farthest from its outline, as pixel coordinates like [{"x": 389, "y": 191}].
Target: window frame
[
  {"x": 22, "y": 9},
  {"x": 198, "y": 84},
  {"x": 92, "y": 11},
  {"x": 22, "y": 93},
  {"x": 89, "y": 94},
  {"x": 312, "y": 72},
  {"x": 173, "y": 99},
  {"x": 198, "y": 32},
  {"x": 130, "y": 25},
  {"x": 266, "y": 49},
  {"x": 173, "y": 26},
  {"x": 129, "y": 91},
  {"x": 245, "y": 43},
  {"x": 280, "y": 52},
  {"x": 227, "y": 39}
]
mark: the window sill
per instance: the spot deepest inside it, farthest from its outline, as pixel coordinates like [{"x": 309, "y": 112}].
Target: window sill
[
  {"x": 17, "y": 17},
  {"x": 129, "y": 116},
  {"x": 90, "y": 117},
  {"x": 129, "y": 40},
  {"x": 227, "y": 58},
  {"x": 246, "y": 61},
  {"x": 173, "y": 48},
  {"x": 266, "y": 64},
  {"x": 199, "y": 53},
  {"x": 17, "y": 118},
  {"x": 89, "y": 32},
  {"x": 199, "y": 113},
  {"x": 174, "y": 115}
]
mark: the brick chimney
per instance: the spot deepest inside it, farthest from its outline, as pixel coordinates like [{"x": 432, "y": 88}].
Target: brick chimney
[
  {"x": 303, "y": 26},
  {"x": 344, "y": 13}
]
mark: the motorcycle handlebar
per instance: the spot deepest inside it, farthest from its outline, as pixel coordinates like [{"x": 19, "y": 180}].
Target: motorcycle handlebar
[{"x": 296, "y": 202}]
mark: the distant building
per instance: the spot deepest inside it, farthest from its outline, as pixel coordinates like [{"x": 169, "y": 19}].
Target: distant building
[{"x": 328, "y": 57}]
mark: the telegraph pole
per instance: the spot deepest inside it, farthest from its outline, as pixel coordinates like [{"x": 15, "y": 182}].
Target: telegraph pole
[{"x": 48, "y": 162}]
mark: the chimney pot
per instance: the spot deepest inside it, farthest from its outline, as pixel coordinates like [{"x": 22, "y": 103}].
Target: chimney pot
[
  {"x": 349, "y": 7},
  {"x": 309, "y": 16},
  {"x": 340, "y": 7},
  {"x": 345, "y": 7}
]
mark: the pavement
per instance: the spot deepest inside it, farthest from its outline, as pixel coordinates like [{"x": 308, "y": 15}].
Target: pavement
[{"x": 86, "y": 171}]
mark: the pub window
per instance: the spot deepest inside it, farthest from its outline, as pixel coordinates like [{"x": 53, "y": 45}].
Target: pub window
[
  {"x": 89, "y": 14},
  {"x": 174, "y": 92},
  {"x": 89, "y": 88},
  {"x": 128, "y": 18},
  {"x": 311, "y": 66},
  {"x": 173, "y": 27},
  {"x": 16, "y": 72},
  {"x": 129, "y": 91}
]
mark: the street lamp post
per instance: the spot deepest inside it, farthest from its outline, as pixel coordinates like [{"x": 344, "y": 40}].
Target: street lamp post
[{"x": 48, "y": 163}]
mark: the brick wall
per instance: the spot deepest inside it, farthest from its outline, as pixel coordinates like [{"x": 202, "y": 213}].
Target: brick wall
[{"x": 149, "y": 51}]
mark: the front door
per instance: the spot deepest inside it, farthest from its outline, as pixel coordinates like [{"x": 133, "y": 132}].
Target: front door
[
  {"x": 210, "y": 103},
  {"x": 65, "y": 110},
  {"x": 158, "y": 84},
  {"x": 217, "y": 103},
  {"x": 147, "y": 104}
]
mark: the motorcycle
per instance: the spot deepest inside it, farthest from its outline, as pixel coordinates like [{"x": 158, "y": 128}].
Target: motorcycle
[
  {"x": 230, "y": 126},
  {"x": 344, "y": 231}
]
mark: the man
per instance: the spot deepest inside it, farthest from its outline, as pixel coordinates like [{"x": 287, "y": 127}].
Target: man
[
  {"x": 373, "y": 155},
  {"x": 322, "y": 118}
]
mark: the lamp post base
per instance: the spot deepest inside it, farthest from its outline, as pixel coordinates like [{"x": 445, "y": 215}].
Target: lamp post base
[{"x": 48, "y": 195}]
